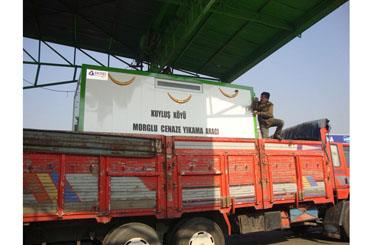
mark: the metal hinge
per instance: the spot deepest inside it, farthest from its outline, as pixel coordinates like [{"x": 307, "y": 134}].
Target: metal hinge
[
  {"x": 263, "y": 181},
  {"x": 159, "y": 145},
  {"x": 300, "y": 195},
  {"x": 225, "y": 202}
]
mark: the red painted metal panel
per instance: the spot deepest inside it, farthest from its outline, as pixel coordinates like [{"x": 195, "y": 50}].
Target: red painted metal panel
[
  {"x": 283, "y": 178},
  {"x": 134, "y": 185},
  {"x": 207, "y": 163},
  {"x": 200, "y": 182},
  {"x": 243, "y": 180},
  {"x": 265, "y": 184},
  {"x": 241, "y": 170},
  {"x": 298, "y": 171},
  {"x": 41, "y": 188},
  {"x": 127, "y": 166},
  {"x": 61, "y": 185},
  {"x": 172, "y": 197},
  {"x": 190, "y": 174},
  {"x": 81, "y": 183},
  {"x": 103, "y": 187},
  {"x": 199, "y": 164},
  {"x": 313, "y": 175}
]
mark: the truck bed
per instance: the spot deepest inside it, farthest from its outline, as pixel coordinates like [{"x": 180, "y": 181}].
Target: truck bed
[{"x": 71, "y": 175}]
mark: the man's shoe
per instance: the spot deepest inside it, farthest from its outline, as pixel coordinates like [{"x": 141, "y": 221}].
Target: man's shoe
[{"x": 277, "y": 136}]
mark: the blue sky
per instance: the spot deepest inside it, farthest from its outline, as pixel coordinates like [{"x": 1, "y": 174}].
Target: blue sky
[{"x": 308, "y": 79}]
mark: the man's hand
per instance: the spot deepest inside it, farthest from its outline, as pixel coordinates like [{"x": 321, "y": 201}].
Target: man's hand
[{"x": 255, "y": 113}]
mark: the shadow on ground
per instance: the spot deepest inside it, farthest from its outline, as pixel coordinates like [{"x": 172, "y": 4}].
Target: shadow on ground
[{"x": 312, "y": 236}]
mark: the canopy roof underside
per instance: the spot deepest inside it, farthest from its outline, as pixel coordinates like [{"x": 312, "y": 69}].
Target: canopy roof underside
[{"x": 217, "y": 38}]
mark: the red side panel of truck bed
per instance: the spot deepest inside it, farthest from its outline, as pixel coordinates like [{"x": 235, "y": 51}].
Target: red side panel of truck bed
[
  {"x": 59, "y": 186},
  {"x": 189, "y": 175},
  {"x": 213, "y": 173},
  {"x": 234, "y": 173}
]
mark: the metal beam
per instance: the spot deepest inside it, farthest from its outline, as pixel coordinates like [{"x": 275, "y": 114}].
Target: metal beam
[
  {"x": 39, "y": 64},
  {"x": 50, "y": 64},
  {"x": 155, "y": 30},
  {"x": 117, "y": 13},
  {"x": 289, "y": 6},
  {"x": 59, "y": 11},
  {"x": 245, "y": 14},
  {"x": 55, "y": 51},
  {"x": 29, "y": 55},
  {"x": 193, "y": 74},
  {"x": 38, "y": 26},
  {"x": 191, "y": 14},
  {"x": 123, "y": 61},
  {"x": 307, "y": 20},
  {"x": 107, "y": 33},
  {"x": 157, "y": 22},
  {"x": 192, "y": 39},
  {"x": 75, "y": 73},
  {"x": 74, "y": 65},
  {"x": 75, "y": 55},
  {"x": 187, "y": 72},
  {"x": 212, "y": 57},
  {"x": 100, "y": 63},
  {"x": 37, "y": 75},
  {"x": 95, "y": 25},
  {"x": 50, "y": 84},
  {"x": 75, "y": 62},
  {"x": 263, "y": 6}
]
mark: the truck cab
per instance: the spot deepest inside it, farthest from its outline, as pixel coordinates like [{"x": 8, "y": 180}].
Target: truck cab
[{"x": 340, "y": 155}]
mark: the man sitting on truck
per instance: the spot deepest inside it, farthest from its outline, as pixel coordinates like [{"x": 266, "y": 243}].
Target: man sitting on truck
[{"x": 264, "y": 110}]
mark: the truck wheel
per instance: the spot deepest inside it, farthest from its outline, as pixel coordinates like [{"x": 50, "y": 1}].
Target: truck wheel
[
  {"x": 197, "y": 231},
  {"x": 132, "y": 234},
  {"x": 346, "y": 222}
]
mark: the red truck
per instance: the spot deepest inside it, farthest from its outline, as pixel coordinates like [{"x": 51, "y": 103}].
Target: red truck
[{"x": 154, "y": 189}]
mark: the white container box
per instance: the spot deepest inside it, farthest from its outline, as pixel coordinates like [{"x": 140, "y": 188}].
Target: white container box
[{"x": 135, "y": 102}]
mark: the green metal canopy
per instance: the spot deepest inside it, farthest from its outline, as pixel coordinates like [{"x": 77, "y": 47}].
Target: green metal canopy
[{"x": 217, "y": 38}]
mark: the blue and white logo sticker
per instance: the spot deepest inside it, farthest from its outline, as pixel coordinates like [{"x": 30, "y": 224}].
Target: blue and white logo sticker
[
  {"x": 339, "y": 138},
  {"x": 98, "y": 75}
]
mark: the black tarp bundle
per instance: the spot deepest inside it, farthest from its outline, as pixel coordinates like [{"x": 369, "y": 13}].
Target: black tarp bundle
[{"x": 306, "y": 131}]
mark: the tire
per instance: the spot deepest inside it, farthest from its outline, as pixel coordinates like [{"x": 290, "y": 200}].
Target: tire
[
  {"x": 168, "y": 239},
  {"x": 131, "y": 234},
  {"x": 198, "y": 231},
  {"x": 346, "y": 222}
]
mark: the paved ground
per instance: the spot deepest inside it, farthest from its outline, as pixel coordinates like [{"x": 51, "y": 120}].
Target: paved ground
[{"x": 285, "y": 237}]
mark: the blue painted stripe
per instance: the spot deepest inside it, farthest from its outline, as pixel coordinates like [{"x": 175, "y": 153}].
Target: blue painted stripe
[
  {"x": 69, "y": 195},
  {"x": 55, "y": 178},
  {"x": 294, "y": 213},
  {"x": 311, "y": 181}
]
